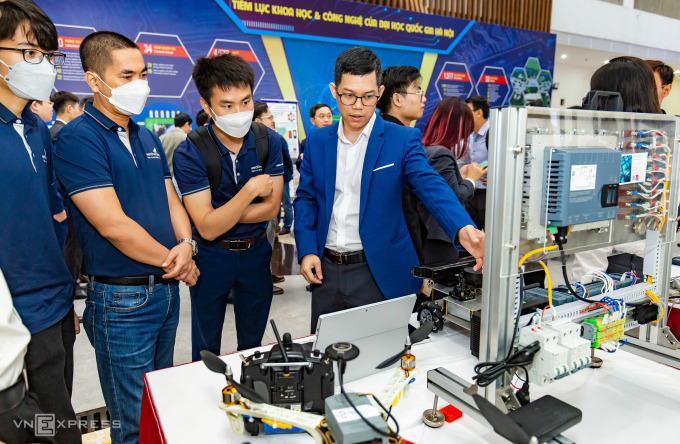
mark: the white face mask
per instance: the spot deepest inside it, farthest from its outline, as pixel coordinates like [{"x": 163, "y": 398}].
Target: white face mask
[
  {"x": 129, "y": 98},
  {"x": 31, "y": 81},
  {"x": 236, "y": 124}
]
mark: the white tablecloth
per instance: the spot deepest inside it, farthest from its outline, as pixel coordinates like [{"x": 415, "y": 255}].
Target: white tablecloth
[{"x": 629, "y": 399}]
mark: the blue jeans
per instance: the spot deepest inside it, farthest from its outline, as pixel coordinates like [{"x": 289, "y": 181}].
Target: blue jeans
[
  {"x": 287, "y": 207},
  {"x": 247, "y": 274},
  {"x": 132, "y": 330}
]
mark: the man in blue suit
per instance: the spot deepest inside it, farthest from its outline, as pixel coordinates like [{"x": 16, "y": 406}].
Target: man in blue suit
[{"x": 348, "y": 206}]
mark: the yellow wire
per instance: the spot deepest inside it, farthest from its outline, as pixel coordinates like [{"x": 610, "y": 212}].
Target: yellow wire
[
  {"x": 547, "y": 275},
  {"x": 532, "y": 252},
  {"x": 656, "y": 300}
]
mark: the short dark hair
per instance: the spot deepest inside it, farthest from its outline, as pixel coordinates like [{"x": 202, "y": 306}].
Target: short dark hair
[
  {"x": 633, "y": 79},
  {"x": 62, "y": 99},
  {"x": 225, "y": 71},
  {"x": 15, "y": 12},
  {"x": 96, "y": 48},
  {"x": 86, "y": 99},
  {"x": 259, "y": 108},
  {"x": 315, "y": 108},
  {"x": 182, "y": 119},
  {"x": 357, "y": 61},
  {"x": 665, "y": 71},
  {"x": 396, "y": 79},
  {"x": 202, "y": 118},
  {"x": 479, "y": 102}
]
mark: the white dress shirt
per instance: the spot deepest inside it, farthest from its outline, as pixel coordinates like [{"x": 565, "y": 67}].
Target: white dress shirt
[
  {"x": 343, "y": 230},
  {"x": 14, "y": 338}
]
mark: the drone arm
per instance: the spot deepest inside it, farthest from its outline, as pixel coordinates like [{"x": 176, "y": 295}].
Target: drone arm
[
  {"x": 305, "y": 421},
  {"x": 397, "y": 384}
]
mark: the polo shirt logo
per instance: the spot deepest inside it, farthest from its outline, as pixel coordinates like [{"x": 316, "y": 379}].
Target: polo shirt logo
[
  {"x": 256, "y": 168},
  {"x": 153, "y": 155},
  {"x": 44, "y": 156}
]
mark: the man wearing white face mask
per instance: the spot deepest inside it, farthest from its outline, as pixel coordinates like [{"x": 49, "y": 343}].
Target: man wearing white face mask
[
  {"x": 134, "y": 232},
  {"x": 230, "y": 209},
  {"x": 41, "y": 286}
]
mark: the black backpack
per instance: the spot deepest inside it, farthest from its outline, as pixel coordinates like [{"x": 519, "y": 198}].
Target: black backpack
[{"x": 213, "y": 157}]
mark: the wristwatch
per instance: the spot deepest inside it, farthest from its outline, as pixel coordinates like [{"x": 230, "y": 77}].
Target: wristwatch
[{"x": 194, "y": 247}]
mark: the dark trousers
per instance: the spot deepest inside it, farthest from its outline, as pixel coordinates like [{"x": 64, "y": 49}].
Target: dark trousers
[
  {"x": 18, "y": 424},
  {"x": 476, "y": 207},
  {"x": 247, "y": 274},
  {"x": 344, "y": 286},
  {"x": 49, "y": 367},
  {"x": 73, "y": 255}
]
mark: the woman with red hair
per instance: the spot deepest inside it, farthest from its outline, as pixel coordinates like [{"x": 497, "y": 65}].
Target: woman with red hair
[{"x": 446, "y": 141}]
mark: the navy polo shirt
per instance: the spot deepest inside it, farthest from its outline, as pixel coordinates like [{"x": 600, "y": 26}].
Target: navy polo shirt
[
  {"x": 191, "y": 174},
  {"x": 30, "y": 256},
  {"x": 90, "y": 154}
]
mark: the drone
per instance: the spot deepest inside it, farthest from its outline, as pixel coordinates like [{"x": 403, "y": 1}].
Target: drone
[{"x": 241, "y": 402}]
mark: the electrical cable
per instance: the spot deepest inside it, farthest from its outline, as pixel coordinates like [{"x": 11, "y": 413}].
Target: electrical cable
[
  {"x": 563, "y": 258},
  {"x": 375, "y": 429}
]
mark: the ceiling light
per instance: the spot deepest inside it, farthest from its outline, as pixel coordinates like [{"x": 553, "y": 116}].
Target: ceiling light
[{"x": 563, "y": 56}]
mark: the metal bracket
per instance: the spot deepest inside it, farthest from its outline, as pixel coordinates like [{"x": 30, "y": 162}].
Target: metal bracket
[
  {"x": 505, "y": 397},
  {"x": 668, "y": 339}
]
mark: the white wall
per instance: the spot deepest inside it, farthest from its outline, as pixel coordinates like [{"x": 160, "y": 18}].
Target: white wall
[
  {"x": 621, "y": 26},
  {"x": 574, "y": 84}
]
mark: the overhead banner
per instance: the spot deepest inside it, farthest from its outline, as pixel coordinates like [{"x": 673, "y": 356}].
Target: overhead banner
[{"x": 292, "y": 46}]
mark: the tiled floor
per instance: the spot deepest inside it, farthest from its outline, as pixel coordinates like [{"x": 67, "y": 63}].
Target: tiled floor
[{"x": 291, "y": 311}]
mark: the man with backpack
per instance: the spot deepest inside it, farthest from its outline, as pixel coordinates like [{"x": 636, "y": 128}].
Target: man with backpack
[{"x": 230, "y": 176}]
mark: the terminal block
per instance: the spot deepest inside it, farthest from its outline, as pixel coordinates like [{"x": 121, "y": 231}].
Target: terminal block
[{"x": 600, "y": 330}]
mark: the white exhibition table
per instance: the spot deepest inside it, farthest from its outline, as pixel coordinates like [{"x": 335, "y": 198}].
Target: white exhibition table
[{"x": 629, "y": 399}]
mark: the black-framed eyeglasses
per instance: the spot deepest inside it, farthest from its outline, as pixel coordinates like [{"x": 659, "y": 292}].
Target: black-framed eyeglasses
[
  {"x": 36, "y": 56},
  {"x": 351, "y": 99},
  {"x": 420, "y": 93}
]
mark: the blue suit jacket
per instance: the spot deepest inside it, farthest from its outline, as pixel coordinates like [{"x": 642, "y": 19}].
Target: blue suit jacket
[{"x": 394, "y": 156}]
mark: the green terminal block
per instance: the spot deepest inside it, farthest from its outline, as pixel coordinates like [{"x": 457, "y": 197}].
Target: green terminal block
[{"x": 598, "y": 332}]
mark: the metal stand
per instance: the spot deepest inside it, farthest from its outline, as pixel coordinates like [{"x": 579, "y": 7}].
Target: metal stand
[
  {"x": 594, "y": 361},
  {"x": 433, "y": 417}
]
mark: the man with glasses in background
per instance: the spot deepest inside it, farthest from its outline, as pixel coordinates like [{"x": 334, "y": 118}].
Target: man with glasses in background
[
  {"x": 348, "y": 205},
  {"x": 30, "y": 258},
  {"x": 403, "y": 100}
]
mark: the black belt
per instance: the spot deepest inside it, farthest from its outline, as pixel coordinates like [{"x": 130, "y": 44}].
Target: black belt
[
  {"x": 236, "y": 245},
  {"x": 12, "y": 395},
  {"x": 352, "y": 257},
  {"x": 133, "y": 280}
]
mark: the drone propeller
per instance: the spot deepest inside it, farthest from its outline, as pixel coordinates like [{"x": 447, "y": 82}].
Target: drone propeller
[
  {"x": 501, "y": 423},
  {"x": 217, "y": 365},
  {"x": 418, "y": 335}
]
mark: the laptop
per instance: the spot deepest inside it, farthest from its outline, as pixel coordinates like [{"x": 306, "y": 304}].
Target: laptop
[{"x": 379, "y": 330}]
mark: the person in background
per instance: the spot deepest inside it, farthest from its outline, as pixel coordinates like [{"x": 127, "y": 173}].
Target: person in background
[
  {"x": 42, "y": 109},
  {"x": 403, "y": 100},
  {"x": 261, "y": 114},
  {"x": 634, "y": 80},
  {"x": 171, "y": 140},
  {"x": 230, "y": 220},
  {"x": 447, "y": 138},
  {"x": 202, "y": 118},
  {"x": 84, "y": 100},
  {"x": 663, "y": 77},
  {"x": 479, "y": 153},
  {"x": 66, "y": 106},
  {"x": 320, "y": 115},
  {"x": 348, "y": 206},
  {"x": 30, "y": 257},
  {"x": 134, "y": 231}
]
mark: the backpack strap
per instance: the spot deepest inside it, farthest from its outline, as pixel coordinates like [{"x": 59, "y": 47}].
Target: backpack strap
[
  {"x": 261, "y": 143},
  {"x": 211, "y": 155}
]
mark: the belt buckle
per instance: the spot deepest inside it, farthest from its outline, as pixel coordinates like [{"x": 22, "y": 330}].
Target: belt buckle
[
  {"x": 238, "y": 245},
  {"x": 336, "y": 257}
]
